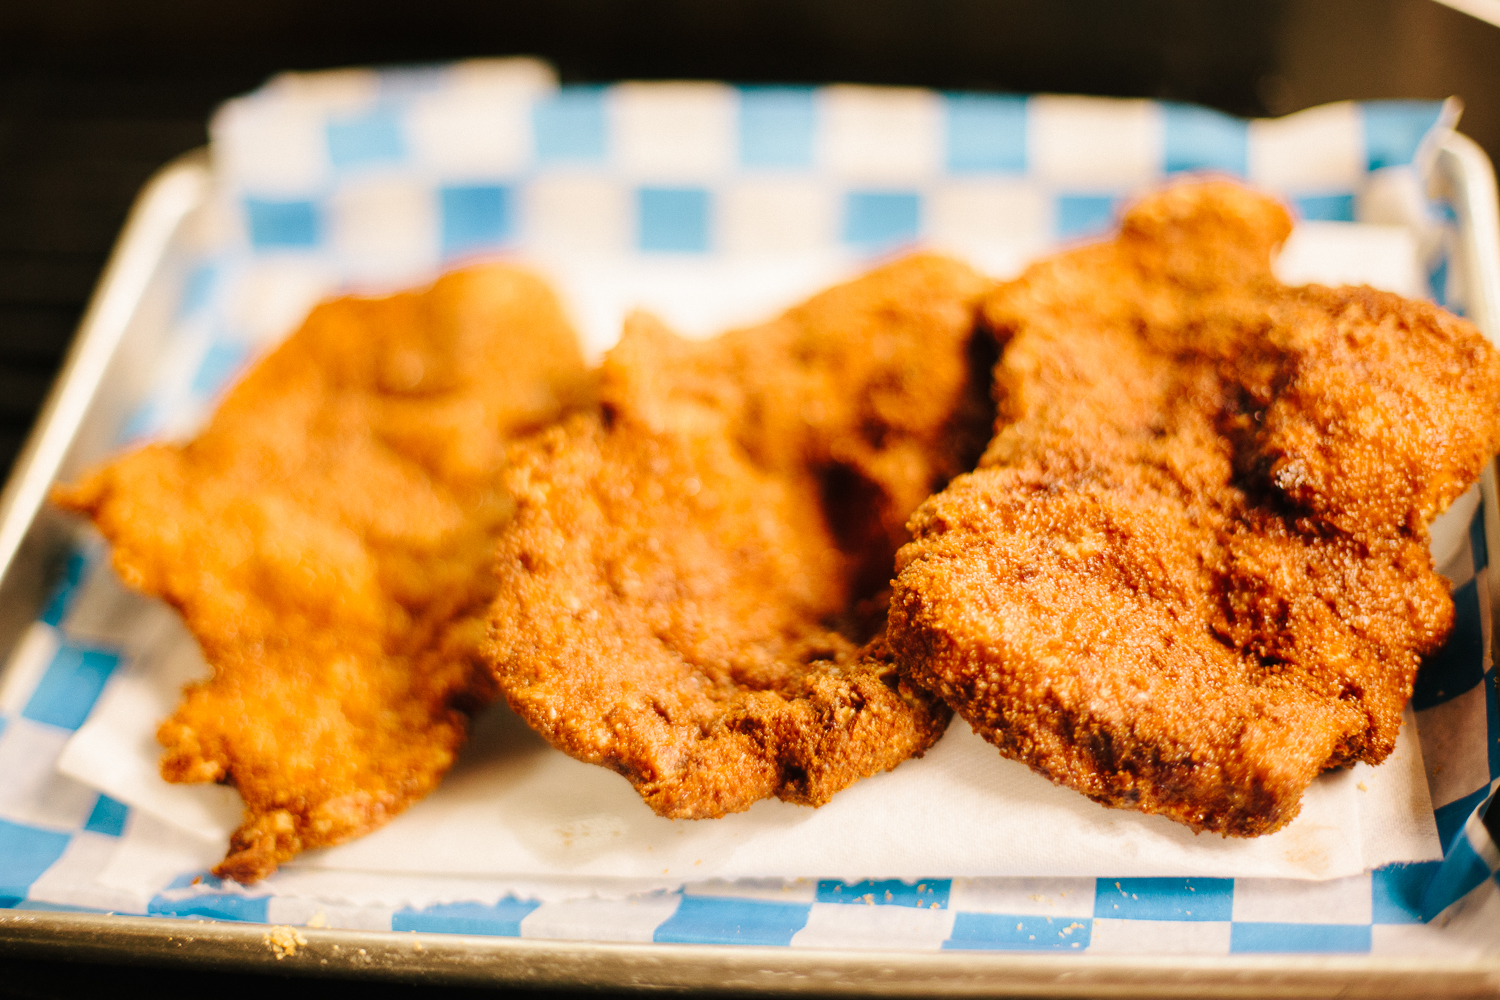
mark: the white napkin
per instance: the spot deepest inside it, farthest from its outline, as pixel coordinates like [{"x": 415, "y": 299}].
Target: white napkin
[{"x": 513, "y": 807}]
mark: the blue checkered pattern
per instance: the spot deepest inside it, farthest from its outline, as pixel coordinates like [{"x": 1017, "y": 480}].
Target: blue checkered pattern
[
  {"x": 892, "y": 168},
  {"x": 330, "y": 182}
]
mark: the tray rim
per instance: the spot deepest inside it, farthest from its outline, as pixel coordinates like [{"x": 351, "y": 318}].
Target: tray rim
[
  {"x": 1462, "y": 172},
  {"x": 164, "y": 202},
  {"x": 727, "y": 969}
]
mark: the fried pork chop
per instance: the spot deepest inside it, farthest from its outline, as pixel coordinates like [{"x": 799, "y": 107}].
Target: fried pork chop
[
  {"x": 692, "y": 571},
  {"x": 1191, "y": 571},
  {"x": 327, "y": 539}
]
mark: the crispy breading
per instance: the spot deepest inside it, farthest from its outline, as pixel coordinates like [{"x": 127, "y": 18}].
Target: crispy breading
[
  {"x": 1191, "y": 572},
  {"x": 327, "y": 539},
  {"x": 691, "y": 572}
]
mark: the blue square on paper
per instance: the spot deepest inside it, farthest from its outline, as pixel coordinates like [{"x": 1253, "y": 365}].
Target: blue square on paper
[
  {"x": 877, "y": 219},
  {"x": 569, "y": 126},
  {"x": 251, "y": 909},
  {"x": 1459, "y": 665},
  {"x": 1437, "y": 282},
  {"x": 1396, "y": 892},
  {"x": 140, "y": 423},
  {"x": 1164, "y": 898},
  {"x": 1394, "y": 130},
  {"x": 1326, "y": 207},
  {"x": 986, "y": 133},
  {"x": 108, "y": 817},
  {"x": 25, "y": 853},
  {"x": 365, "y": 140},
  {"x": 1451, "y": 818},
  {"x": 503, "y": 919},
  {"x": 1200, "y": 139},
  {"x": 282, "y": 225},
  {"x": 196, "y": 289},
  {"x": 1006, "y": 932},
  {"x": 724, "y": 920},
  {"x": 475, "y": 216},
  {"x": 67, "y": 588},
  {"x": 1461, "y": 872},
  {"x": 39, "y": 906},
  {"x": 924, "y": 894},
  {"x": 777, "y": 126},
  {"x": 1085, "y": 215},
  {"x": 67, "y": 691},
  {"x": 221, "y": 363},
  {"x": 1257, "y": 938},
  {"x": 672, "y": 219}
]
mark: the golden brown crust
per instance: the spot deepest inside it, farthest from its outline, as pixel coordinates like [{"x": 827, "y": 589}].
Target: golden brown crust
[
  {"x": 1191, "y": 571},
  {"x": 326, "y": 539},
  {"x": 690, "y": 573}
]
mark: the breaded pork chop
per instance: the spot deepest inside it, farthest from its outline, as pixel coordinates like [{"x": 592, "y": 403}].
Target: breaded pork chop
[
  {"x": 692, "y": 571},
  {"x": 1191, "y": 571},
  {"x": 327, "y": 539}
]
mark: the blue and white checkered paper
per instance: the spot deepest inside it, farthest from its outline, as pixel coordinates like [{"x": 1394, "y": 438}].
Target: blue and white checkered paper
[{"x": 377, "y": 178}]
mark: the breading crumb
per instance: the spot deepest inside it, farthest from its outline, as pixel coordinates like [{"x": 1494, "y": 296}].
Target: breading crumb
[{"x": 283, "y": 940}]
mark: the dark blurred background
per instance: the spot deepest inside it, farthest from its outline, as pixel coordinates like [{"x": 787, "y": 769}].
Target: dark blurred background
[{"x": 95, "y": 94}]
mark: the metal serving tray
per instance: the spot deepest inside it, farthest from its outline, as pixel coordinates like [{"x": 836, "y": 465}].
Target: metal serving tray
[{"x": 107, "y": 369}]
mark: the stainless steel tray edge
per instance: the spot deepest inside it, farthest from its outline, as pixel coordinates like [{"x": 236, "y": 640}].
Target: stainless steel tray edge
[
  {"x": 1462, "y": 171},
  {"x": 538, "y": 963},
  {"x": 1465, "y": 176},
  {"x": 162, "y": 206}
]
